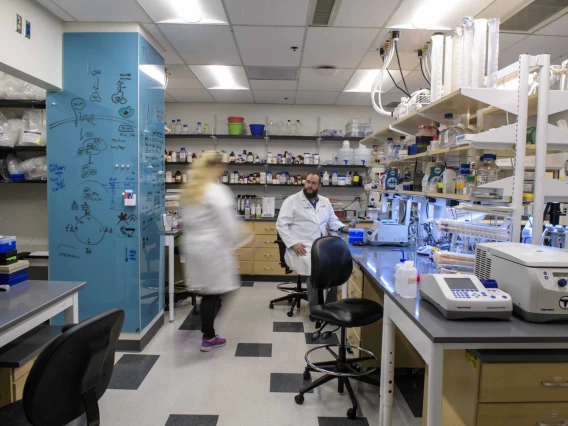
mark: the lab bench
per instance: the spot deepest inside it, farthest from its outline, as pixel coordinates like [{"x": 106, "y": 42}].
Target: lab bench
[{"x": 478, "y": 372}]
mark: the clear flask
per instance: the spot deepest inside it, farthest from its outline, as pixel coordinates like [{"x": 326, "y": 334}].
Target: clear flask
[
  {"x": 178, "y": 127},
  {"x": 488, "y": 172}
]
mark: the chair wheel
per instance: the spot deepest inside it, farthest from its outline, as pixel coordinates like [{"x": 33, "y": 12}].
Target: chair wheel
[
  {"x": 290, "y": 314},
  {"x": 299, "y": 399},
  {"x": 271, "y": 306},
  {"x": 352, "y": 413},
  {"x": 307, "y": 375}
]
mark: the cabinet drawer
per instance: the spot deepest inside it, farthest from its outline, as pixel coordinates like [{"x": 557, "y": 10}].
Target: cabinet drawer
[
  {"x": 244, "y": 268},
  {"x": 357, "y": 277},
  {"x": 23, "y": 370},
  {"x": 265, "y": 228},
  {"x": 545, "y": 414},
  {"x": 363, "y": 225},
  {"x": 264, "y": 241},
  {"x": 353, "y": 340},
  {"x": 18, "y": 385},
  {"x": 243, "y": 254},
  {"x": 353, "y": 291},
  {"x": 267, "y": 255},
  {"x": 523, "y": 382},
  {"x": 268, "y": 268}
]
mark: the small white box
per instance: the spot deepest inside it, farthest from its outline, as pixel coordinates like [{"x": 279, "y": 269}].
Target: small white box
[{"x": 130, "y": 202}]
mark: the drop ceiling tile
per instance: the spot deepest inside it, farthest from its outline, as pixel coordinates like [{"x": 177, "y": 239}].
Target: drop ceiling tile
[
  {"x": 270, "y": 46},
  {"x": 169, "y": 98},
  {"x": 221, "y": 77},
  {"x": 56, "y": 10},
  {"x": 339, "y": 47},
  {"x": 501, "y": 9},
  {"x": 190, "y": 95},
  {"x": 233, "y": 96},
  {"x": 273, "y": 84},
  {"x": 365, "y": 13},
  {"x": 556, "y": 28},
  {"x": 168, "y": 52},
  {"x": 104, "y": 10},
  {"x": 180, "y": 71},
  {"x": 184, "y": 83},
  {"x": 408, "y": 60},
  {"x": 268, "y": 12},
  {"x": 212, "y": 11},
  {"x": 316, "y": 98},
  {"x": 311, "y": 80},
  {"x": 507, "y": 40},
  {"x": 274, "y": 96},
  {"x": 347, "y": 98},
  {"x": 203, "y": 44},
  {"x": 412, "y": 10},
  {"x": 534, "y": 45}
]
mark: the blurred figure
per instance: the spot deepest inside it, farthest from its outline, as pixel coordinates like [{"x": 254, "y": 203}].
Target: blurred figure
[{"x": 212, "y": 231}]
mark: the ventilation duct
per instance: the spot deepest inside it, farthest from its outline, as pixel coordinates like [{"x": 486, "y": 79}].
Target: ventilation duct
[
  {"x": 323, "y": 12},
  {"x": 534, "y": 16}
]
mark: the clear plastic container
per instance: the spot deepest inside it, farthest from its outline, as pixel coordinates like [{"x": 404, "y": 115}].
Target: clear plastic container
[
  {"x": 408, "y": 280},
  {"x": 185, "y": 130},
  {"x": 334, "y": 178},
  {"x": 444, "y": 126},
  {"x": 198, "y": 129},
  {"x": 488, "y": 171},
  {"x": 452, "y": 133},
  {"x": 449, "y": 181},
  {"x": 341, "y": 180},
  {"x": 362, "y": 155},
  {"x": 346, "y": 154},
  {"x": 178, "y": 127}
]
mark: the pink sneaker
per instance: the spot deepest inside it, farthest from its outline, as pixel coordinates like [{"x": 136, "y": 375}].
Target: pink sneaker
[{"x": 216, "y": 342}]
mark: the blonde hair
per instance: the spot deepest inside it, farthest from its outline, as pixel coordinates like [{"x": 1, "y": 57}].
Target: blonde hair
[{"x": 202, "y": 175}]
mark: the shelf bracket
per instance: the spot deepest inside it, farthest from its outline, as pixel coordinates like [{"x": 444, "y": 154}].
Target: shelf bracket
[
  {"x": 214, "y": 141},
  {"x": 318, "y": 144},
  {"x": 400, "y": 132}
]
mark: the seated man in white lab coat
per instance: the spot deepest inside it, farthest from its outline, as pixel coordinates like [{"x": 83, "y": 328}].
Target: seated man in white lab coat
[{"x": 303, "y": 218}]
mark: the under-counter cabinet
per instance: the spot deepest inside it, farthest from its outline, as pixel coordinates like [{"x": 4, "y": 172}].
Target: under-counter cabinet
[{"x": 483, "y": 388}]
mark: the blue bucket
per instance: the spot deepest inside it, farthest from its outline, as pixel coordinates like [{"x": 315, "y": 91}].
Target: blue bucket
[{"x": 256, "y": 129}]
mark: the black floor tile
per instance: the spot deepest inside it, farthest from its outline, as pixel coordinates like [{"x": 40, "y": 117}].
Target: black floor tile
[
  {"x": 333, "y": 340},
  {"x": 342, "y": 421},
  {"x": 288, "y": 327},
  {"x": 288, "y": 383},
  {"x": 131, "y": 370},
  {"x": 247, "y": 283},
  {"x": 254, "y": 350},
  {"x": 189, "y": 420},
  {"x": 193, "y": 321},
  {"x": 412, "y": 389}
]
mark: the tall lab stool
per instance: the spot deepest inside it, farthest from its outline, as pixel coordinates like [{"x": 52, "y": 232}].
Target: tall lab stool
[
  {"x": 331, "y": 267},
  {"x": 296, "y": 293}
]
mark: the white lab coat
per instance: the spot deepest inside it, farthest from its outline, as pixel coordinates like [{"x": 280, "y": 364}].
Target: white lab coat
[
  {"x": 211, "y": 232},
  {"x": 299, "y": 222}
]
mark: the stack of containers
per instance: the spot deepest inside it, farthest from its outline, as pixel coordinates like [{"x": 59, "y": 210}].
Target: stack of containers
[
  {"x": 356, "y": 236},
  {"x": 12, "y": 271},
  {"x": 236, "y": 125},
  {"x": 352, "y": 128}
]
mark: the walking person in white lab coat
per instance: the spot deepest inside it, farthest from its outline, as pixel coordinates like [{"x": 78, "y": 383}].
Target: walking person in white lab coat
[
  {"x": 303, "y": 218},
  {"x": 211, "y": 232}
]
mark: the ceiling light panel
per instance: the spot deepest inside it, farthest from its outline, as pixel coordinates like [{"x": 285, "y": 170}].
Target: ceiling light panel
[
  {"x": 435, "y": 14},
  {"x": 190, "y": 95},
  {"x": 365, "y": 13},
  {"x": 338, "y": 47},
  {"x": 316, "y": 98},
  {"x": 268, "y": 12},
  {"x": 270, "y": 46},
  {"x": 172, "y": 11},
  {"x": 104, "y": 10},
  {"x": 311, "y": 80},
  {"x": 273, "y": 84},
  {"x": 220, "y": 77},
  {"x": 203, "y": 44}
]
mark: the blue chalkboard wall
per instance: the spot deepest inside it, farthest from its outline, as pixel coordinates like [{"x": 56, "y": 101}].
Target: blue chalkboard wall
[{"x": 106, "y": 136}]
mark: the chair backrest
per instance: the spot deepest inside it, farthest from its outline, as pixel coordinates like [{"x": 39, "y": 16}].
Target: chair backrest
[
  {"x": 282, "y": 252},
  {"x": 331, "y": 263},
  {"x": 73, "y": 370}
]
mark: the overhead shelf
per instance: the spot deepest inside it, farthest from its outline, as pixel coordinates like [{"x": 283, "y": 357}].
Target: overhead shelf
[
  {"x": 23, "y": 148},
  {"x": 273, "y": 137},
  {"x": 444, "y": 196},
  {"x": 16, "y": 103},
  {"x": 23, "y": 181},
  {"x": 277, "y": 166}
]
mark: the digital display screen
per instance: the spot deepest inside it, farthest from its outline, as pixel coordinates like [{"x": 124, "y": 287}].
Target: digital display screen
[
  {"x": 460, "y": 284},
  {"x": 560, "y": 274}
]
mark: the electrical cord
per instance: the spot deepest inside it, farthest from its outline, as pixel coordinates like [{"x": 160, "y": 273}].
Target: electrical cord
[
  {"x": 399, "y": 67},
  {"x": 397, "y": 86},
  {"x": 424, "y": 75}
]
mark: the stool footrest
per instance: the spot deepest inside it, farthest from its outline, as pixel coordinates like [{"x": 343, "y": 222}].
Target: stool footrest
[
  {"x": 318, "y": 368},
  {"x": 291, "y": 290}
]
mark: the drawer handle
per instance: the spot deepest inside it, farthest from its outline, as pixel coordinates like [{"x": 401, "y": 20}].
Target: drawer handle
[
  {"x": 237, "y": 254},
  {"x": 269, "y": 255},
  {"x": 551, "y": 424},
  {"x": 268, "y": 269},
  {"x": 555, "y": 385},
  {"x": 269, "y": 242},
  {"x": 269, "y": 229},
  {"x": 238, "y": 267}
]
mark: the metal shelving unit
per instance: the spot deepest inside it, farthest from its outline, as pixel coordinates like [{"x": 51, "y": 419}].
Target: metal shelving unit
[
  {"x": 16, "y": 103},
  {"x": 23, "y": 149}
]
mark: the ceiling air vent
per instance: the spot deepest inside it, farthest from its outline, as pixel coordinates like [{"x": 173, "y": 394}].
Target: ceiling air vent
[
  {"x": 322, "y": 13},
  {"x": 534, "y": 16},
  {"x": 272, "y": 73}
]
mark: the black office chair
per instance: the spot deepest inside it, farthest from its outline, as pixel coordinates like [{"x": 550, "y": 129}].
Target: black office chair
[
  {"x": 69, "y": 376},
  {"x": 331, "y": 267},
  {"x": 297, "y": 293}
]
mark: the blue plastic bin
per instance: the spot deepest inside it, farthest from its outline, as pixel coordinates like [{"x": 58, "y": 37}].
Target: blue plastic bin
[
  {"x": 7, "y": 244},
  {"x": 356, "y": 236},
  {"x": 256, "y": 129},
  {"x": 14, "y": 276}
]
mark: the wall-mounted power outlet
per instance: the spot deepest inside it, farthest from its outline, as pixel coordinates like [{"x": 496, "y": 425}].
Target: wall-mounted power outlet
[
  {"x": 28, "y": 29},
  {"x": 18, "y": 24}
]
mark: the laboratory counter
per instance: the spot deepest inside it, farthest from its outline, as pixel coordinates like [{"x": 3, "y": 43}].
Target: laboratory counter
[{"x": 478, "y": 372}]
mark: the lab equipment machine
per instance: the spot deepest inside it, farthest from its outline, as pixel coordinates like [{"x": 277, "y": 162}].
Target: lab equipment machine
[
  {"x": 464, "y": 297},
  {"x": 536, "y": 277},
  {"x": 385, "y": 232}
]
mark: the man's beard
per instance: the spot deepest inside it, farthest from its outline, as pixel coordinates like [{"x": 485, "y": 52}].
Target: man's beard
[{"x": 313, "y": 195}]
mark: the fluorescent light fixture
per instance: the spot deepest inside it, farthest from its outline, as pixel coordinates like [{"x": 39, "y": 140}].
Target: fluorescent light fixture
[
  {"x": 189, "y": 10},
  {"x": 221, "y": 77},
  {"x": 431, "y": 12},
  {"x": 155, "y": 72},
  {"x": 362, "y": 81},
  {"x": 435, "y": 14}
]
